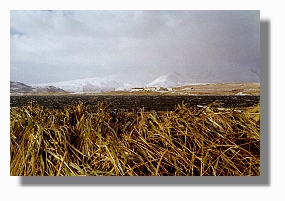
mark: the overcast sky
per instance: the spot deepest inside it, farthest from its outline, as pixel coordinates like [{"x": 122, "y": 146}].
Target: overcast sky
[{"x": 49, "y": 46}]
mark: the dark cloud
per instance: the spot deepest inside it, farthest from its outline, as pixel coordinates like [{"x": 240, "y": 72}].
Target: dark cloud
[{"x": 64, "y": 45}]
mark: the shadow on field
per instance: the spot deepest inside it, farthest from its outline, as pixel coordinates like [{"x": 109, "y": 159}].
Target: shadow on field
[{"x": 263, "y": 180}]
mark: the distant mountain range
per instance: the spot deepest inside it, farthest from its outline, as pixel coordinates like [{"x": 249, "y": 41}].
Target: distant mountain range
[
  {"x": 108, "y": 83},
  {"x": 96, "y": 84}
]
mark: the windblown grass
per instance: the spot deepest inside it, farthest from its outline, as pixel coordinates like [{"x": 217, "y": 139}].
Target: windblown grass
[{"x": 209, "y": 141}]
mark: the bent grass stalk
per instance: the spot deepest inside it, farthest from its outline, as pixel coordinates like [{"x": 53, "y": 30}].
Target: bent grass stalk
[{"x": 209, "y": 141}]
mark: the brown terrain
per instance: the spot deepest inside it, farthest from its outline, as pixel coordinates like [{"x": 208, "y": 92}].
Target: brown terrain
[{"x": 219, "y": 89}]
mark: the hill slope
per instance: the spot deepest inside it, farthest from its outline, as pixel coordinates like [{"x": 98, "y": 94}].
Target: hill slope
[{"x": 171, "y": 80}]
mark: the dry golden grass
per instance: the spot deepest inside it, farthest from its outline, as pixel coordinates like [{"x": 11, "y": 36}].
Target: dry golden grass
[
  {"x": 220, "y": 89},
  {"x": 208, "y": 141}
]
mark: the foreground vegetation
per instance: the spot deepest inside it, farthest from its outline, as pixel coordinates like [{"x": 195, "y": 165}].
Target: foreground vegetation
[{"x": 209, "y": 141}]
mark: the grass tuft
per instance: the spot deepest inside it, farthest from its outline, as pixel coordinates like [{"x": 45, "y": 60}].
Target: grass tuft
[{"x": 208, "y": 141}]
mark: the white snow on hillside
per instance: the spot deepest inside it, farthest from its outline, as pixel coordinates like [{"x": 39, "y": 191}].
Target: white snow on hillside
[
  {"x": 171, "y": 80},
  {"x": 96, "y": 84},
  {"x": 119, "y": 82}
]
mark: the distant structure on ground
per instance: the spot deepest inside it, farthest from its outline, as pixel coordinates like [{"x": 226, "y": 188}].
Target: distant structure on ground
[{"x": 151, "y": 89}]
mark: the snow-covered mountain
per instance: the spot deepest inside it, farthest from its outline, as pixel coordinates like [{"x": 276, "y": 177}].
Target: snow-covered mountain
[
  {"x": 96, "y": 84},
  {"x": 171, "y": 80},
  {"x": 47, "y": 89},
  {"x": 120, "y": 82},
  {"x": 116, "y": 82}
]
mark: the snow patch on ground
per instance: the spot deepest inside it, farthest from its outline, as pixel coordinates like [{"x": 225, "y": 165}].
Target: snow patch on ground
[{"x": 241, "y": 94}]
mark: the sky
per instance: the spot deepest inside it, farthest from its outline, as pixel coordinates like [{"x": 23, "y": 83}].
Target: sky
[{"x": 52, "y": 46}]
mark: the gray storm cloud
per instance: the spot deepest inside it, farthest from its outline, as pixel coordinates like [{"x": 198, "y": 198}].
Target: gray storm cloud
[{"x": 48, "y": 46}]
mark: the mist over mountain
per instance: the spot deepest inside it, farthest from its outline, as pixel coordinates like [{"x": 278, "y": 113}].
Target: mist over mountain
[{"x": 137, "y": 45}]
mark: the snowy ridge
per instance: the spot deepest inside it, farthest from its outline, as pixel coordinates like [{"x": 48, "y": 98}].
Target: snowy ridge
[
  {"x": 116, "y": 83},
  {"x": 171, "y": 80},
  {"x": 96, "y": 84}
]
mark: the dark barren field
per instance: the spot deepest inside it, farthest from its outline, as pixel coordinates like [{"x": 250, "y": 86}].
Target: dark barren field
[{"x": 158, "y": 103}]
